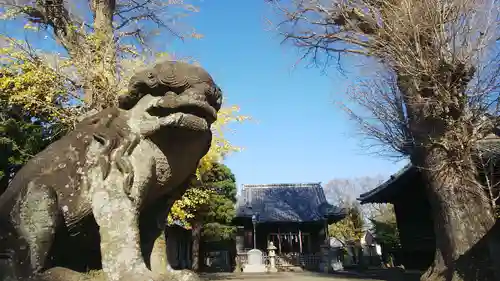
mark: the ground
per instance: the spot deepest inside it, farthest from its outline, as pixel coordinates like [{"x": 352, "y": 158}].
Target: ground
[{"x": 379, "y": 275}]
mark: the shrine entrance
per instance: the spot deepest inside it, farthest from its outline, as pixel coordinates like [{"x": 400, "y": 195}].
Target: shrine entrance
[{"x": 291, "y": 242}]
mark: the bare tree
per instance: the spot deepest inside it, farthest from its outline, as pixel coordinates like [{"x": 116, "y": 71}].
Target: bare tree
[
  {"x": 380, "y": 115},
  {"x": 115, "y": 31},
  {"x": 344, "y": 193},
  {"x": 444, "y": 66},
  {"x": 360, "y": 218}
]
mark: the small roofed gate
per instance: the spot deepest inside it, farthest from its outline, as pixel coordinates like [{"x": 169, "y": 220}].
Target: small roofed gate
[
  {"x": 406, "y": 191},
  {"x": 292, "y": 216}
]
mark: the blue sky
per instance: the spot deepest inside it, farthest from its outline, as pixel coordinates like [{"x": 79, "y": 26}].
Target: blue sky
[{"x": 297, "y": 134}]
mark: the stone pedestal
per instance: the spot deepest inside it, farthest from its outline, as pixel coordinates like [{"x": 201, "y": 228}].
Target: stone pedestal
[
  {"x": 272, "y": 257},
  {"x": 336, "y": 258},
  {"x": 337, "y": 266},
  {"x": 254, "y": 262}
]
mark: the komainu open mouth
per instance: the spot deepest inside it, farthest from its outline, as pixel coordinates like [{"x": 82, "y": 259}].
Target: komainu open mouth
[{"x": 191, "y": 110}]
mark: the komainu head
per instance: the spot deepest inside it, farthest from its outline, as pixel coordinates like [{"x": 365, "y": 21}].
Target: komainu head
[{"x": 184, "y": 88}]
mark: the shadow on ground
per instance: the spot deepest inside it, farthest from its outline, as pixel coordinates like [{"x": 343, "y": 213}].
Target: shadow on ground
[
  {"x": 379, "y": 274},
  {"x": 368, "y": 275}
]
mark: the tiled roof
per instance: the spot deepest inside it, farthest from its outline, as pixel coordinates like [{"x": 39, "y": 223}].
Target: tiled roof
[
  {"x": 488, "y": 147},
  {"x": 285, "y": 203},
  {"x": 373, "y": 195}
]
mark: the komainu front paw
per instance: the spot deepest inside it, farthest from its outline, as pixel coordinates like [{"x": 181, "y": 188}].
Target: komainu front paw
[
  {"x": 63, "y": 274},
  {"x": 176, "y": 275},
  {"x": 149, "y": 276},
  {"x": 184, "y": 275}
]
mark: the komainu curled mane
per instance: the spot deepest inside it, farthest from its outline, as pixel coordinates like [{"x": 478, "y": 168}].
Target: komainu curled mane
[{"x": 98, "y": 197}]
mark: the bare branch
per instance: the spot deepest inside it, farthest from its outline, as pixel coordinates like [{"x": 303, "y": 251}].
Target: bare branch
[
  {"x": 443, "y": 99},
  {"x": 381, "y": 115},
  {"x": 436, "y": 55}
]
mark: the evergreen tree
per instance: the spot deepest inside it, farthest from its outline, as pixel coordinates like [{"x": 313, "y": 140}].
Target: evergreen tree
[
  {"x": 212, "y": 220},
  {"x": 219, "y": 212}
]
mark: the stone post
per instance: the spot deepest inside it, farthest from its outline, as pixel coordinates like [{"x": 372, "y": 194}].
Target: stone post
[
  {"x": 272, "y": 257},
  {"x": 325, "y": 258},
  {"x": 240, "y": 232}
]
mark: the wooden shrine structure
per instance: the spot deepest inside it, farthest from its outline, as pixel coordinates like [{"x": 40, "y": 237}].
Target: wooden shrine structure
[
  {"x": 406, "y": 190},
  {"x": 292, "y": 216}
]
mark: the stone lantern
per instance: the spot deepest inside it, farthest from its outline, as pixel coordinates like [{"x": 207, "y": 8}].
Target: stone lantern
[{"x": 272, "y": 257}]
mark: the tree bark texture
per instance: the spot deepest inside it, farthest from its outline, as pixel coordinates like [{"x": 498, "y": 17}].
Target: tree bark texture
[
  {"x": 103, "y": 55},
  {"x": 196, "y": 235},
  {"x": 462, "y": 221},
  {"x": 444, "y": 147},
  {"x": 94, "y": 53}
]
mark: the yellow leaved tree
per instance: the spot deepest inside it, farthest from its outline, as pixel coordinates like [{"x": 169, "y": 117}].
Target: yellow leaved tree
[
  {"x": 28, "y": 81},
  {"x": 184, "y": 209},
  {"x": 350, "y": 229},
  {"x": 44, "y": 88},
  {"x": 102, "y": 47}
]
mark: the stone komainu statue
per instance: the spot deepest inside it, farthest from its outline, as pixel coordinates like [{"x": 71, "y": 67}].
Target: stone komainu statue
[{"x": 105, "y": 189}]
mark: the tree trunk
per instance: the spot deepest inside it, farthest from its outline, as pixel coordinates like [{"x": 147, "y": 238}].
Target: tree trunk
[
  {"x": 196, "y": 235},
  {"x": 443, "y": 145},
  {"x": 94, "y": 54},
  {"x": 100, "y": 84},
  {"x": 462, "y": 218}
]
